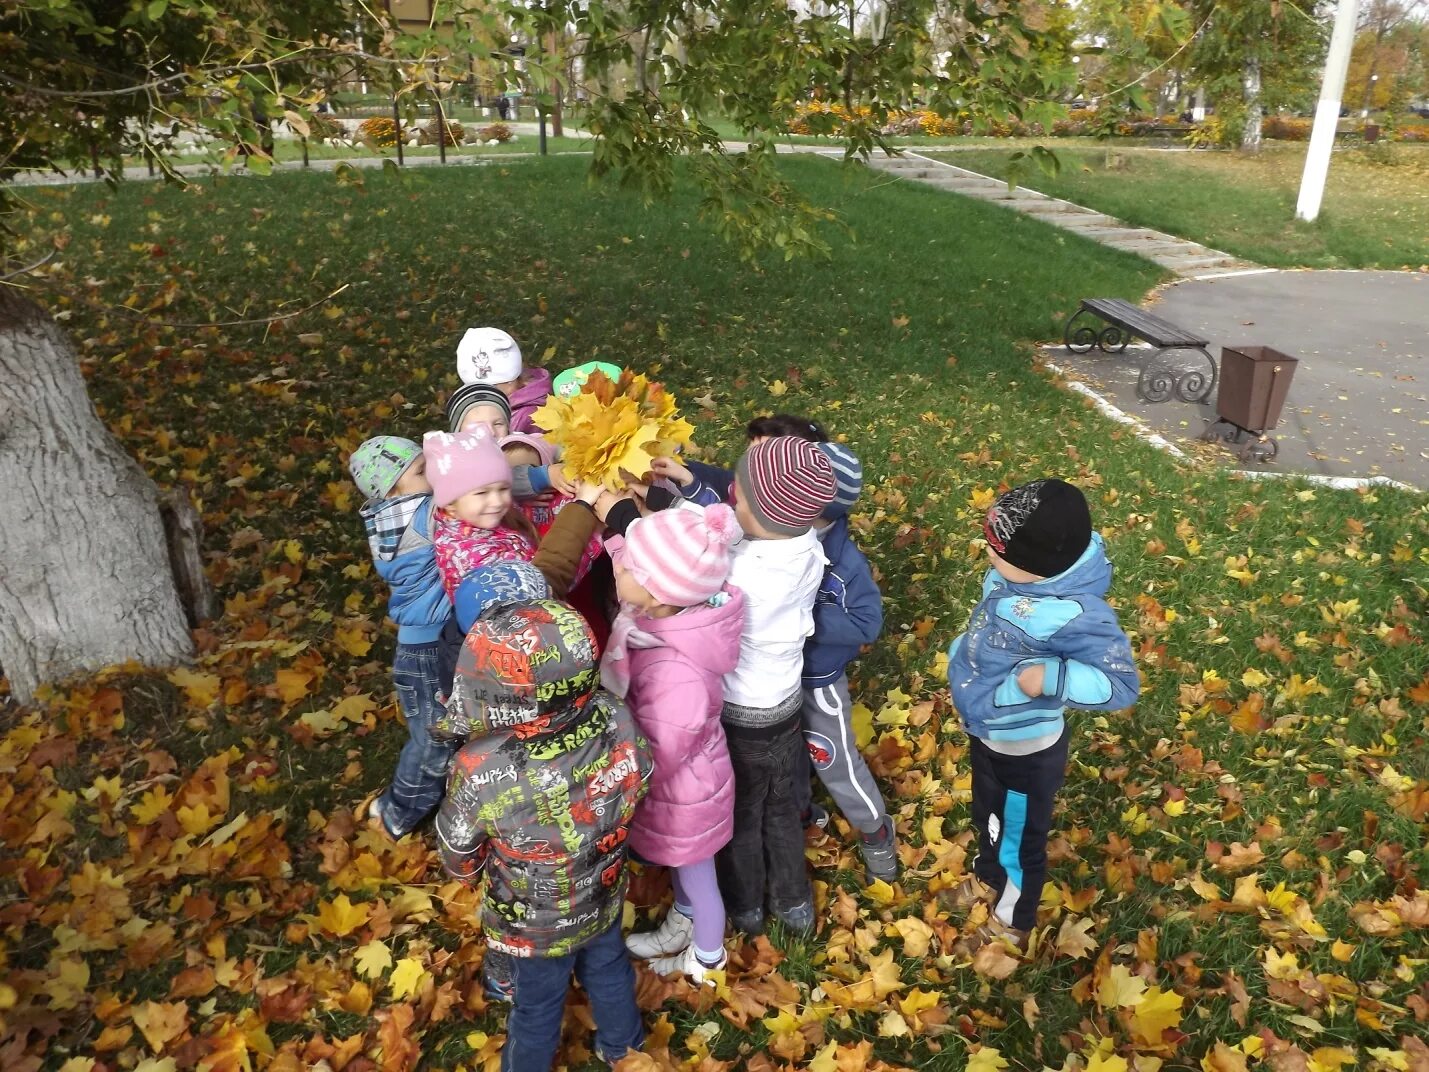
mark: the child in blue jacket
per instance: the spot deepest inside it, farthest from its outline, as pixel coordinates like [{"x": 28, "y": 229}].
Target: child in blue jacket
[
  {"x": 848, "y": 614},
  {"x": 391, "y": 473},
  {"x": 1041, "y": 639}
]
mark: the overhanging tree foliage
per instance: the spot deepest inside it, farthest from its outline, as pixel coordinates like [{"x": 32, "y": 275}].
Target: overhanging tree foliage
[{"x": 87, "y": 82}]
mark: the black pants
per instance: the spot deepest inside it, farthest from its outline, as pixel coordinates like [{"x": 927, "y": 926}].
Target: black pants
[
  {"x": 1012, "y": 813},
  {"x": 766, "y": 854}
]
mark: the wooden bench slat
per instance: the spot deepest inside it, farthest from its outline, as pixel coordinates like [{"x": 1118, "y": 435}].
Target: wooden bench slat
[{"x": 1148, "y": 326}]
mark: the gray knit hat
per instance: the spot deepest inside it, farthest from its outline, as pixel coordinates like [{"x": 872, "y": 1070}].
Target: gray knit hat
[
  {"x": 848, "y": 475},
  {"x": 474, "y": 394}
]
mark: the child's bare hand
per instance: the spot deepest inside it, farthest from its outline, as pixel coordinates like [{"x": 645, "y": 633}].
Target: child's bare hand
[
  {"x": 588, "y": 492},
  {"x": 559, "y": 480},
  {"x": 671, "y": 469},
  {"x": 1030, "y": 679}
]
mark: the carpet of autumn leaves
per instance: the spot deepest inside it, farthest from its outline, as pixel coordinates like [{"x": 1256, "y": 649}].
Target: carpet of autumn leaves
[{"x": 1238, "y": 862}]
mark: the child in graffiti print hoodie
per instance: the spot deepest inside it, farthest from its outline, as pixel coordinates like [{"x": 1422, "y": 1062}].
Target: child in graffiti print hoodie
[{"x": 539, "y": 800}]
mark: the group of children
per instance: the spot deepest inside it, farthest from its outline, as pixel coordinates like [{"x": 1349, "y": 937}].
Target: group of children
[{"x": 588, "y": 678}]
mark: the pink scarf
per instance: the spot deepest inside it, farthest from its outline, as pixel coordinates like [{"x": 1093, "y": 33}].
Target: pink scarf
[
  {"x": 461, "y": 547},
  {"x": 625, "y": 634}
]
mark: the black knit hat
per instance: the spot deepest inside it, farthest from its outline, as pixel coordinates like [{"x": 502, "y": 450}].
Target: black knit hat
[
  {"x": 474, "y": 394},
  {"x": 1042, "y": 527}
]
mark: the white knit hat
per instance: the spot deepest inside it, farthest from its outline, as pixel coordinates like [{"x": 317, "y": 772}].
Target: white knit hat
[
  {"x": 681, "y": 556},
  {"x": 487, "y": 355}
]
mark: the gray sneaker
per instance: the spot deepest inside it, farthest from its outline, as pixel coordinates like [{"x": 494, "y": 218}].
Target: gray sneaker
[
  {"x": 798, "y": 918},
  {"x": 817, "y": 818},
  {"x": 880, "y": 854}
]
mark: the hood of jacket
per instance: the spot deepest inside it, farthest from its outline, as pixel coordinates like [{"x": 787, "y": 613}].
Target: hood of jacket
[
  {"x": 707, "y": 636},
  {"x": 1089, "y": 575},
  {"x": 534, "y": 389},
  {"x": 527, "y": 669}
]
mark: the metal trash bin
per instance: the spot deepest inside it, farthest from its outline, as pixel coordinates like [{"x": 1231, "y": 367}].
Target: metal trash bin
[{"x": 1254, "y": 383}]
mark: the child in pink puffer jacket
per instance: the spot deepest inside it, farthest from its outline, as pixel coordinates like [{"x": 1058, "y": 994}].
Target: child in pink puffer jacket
[{"x": 676, "y": 637}]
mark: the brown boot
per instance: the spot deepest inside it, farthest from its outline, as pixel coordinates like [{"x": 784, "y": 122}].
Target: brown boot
[
  {"x": 994, "y": 930},
  {"x": 965, "y": 894}
]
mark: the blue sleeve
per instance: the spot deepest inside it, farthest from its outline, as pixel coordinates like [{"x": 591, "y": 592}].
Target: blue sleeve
[
  {"x": 711, "y": 483},
  {"x": 849, "y": 608},
  {"x": 1098, "y": 670},
  {"x": 528, "y": 481}
]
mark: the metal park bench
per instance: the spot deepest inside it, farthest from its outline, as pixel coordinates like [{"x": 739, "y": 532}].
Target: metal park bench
[{"x": 1158, "y": 380}]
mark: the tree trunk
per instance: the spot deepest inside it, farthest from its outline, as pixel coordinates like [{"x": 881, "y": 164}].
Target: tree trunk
[
  {"x": 85, "y": 580},
  {"x": 1250, "y": 137}
]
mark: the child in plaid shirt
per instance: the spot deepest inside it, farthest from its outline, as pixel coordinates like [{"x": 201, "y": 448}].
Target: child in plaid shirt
[{"x": 391, "y": 473}]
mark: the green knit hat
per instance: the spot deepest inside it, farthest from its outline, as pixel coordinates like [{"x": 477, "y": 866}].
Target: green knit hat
[{"x": 380, "y": 462}]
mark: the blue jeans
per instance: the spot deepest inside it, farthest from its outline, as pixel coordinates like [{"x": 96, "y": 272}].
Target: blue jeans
[
  {"x": 420, "y": 780},
  {"x": 538, "y": 1002}
]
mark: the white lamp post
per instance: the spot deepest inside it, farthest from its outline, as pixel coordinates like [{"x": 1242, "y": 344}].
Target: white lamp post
[{"x": 1327, "y": 112}]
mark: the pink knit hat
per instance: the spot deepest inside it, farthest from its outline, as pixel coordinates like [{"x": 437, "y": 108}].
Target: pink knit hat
[
  {"x": 681, "y": 556},
  {"x": 544, "y": 448},
  {"x": 462, "y": 462}
]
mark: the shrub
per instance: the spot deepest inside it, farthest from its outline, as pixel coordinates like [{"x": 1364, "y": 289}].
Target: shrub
[
  {"x": 325, "y": 128},
  {"x": 1285, "y": 128},
  {"x": 431, "y": 132},
  {"x": 495, "y": 132},
  {"x": 379, "y": 132}
]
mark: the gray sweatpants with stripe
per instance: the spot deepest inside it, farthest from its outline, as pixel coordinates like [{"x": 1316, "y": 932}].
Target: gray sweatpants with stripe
[{"x": 833, "y": 753}]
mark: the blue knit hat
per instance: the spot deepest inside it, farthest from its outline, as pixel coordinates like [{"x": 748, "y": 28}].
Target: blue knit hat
[
  {"x": 848, "y": 474},
  {"x": 497, "y": 584}
]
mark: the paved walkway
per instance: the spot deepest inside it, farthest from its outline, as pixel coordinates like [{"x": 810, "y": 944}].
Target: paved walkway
[
  {"x": 1187, "y": 259},
  {"x": 1359, "y": 402}
]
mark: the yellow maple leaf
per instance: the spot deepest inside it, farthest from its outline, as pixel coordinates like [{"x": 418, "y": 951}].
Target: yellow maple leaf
[
  {"x": 916, "y": 936},
  {"x": 1120, "y": 989},
  {"x": 918, "y": 1000},
  {"x": 354, "y": 708},
  {"x": 1281, "y": 965},
  {"x": 986, "y": 1059},
  {"x": 197, "y": 819},
  {"x": 880, "y": 892},
  {"x": 353, "y": 639},
  {"x": 161, "y": 1022},
  {"x": 373, "y": 959},
  {"x": 1106, "y": 1062},
  {"x": 1224, "y": 1059},
  {"x": 778, "y": 388},
  {"x": 1253, "y": 679},
  {"x": 1331, "y": 1059},
  {"x": 340, "y": 917},
  {"x": 407, "y": 977},
  {"x": 862, "y": 717},
  {"x": 1156, "y": 1011},
  {"x": 68, "y": 983},
  {"x": 824, "y": 1060},
  {"x": 201, "y": 690},
  {"x": 293, "y": 684},
  {"x": 892, "y": 1025},
  {"x": 1073, "y": 939},
  {"x": 151, "y": 805}
]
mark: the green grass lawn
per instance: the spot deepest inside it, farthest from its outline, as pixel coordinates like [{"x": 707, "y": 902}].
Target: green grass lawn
[
  {"x": 1375, "y": 215},
  {"x": 179, "y": 852}
]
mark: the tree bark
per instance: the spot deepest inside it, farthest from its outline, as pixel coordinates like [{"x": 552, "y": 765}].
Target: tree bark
[
  {"x": 1250, "y": 137},
  {"x": 85, "y": 579}
]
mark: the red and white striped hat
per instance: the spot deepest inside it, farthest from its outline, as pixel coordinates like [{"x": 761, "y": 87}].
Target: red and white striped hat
[
  {"x": 681, "y": 556},
  {"x": 786, "y": 482}
]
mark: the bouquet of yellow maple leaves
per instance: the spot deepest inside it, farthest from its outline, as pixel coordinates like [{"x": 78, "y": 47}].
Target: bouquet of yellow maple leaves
[{"x": 613, "y": 429}]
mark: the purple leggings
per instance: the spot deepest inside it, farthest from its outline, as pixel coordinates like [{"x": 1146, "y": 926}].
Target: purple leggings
[{"x": 697, "y": 896}]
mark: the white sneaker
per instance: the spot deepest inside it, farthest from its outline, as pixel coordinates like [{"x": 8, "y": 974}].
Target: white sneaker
[
  {"x": 672, "y": 936},
  {"x": 687, "y": 963}
]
